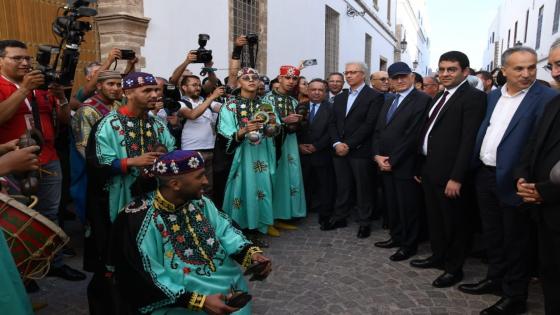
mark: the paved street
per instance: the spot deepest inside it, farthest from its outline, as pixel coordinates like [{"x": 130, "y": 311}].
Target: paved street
[{"x": 319, "y": 272}]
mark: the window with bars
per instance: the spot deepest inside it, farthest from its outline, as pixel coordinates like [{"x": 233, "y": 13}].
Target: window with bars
[
  {"x": 367, "y": 55},
  {"x": 556, "y": 17},
  {"x": 249, "y": 16},
  {"x": 331, "y": 40},
  {"x": 539, "y": 27},
  {"x": 245, "y": 17}
]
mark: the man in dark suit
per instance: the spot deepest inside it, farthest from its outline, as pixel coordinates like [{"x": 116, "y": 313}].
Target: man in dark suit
[
  {"x": 354, "y": 115},
  {"x": 394, "y": 149},
  {"x": 540, "y": 193},
  {"x": 446, "y": 144},
  {"x": 510, "y": 118},
  {"x": 316, "y": 152}
]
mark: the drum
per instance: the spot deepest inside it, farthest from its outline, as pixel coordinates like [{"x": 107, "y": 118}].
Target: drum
[{"x": 33, "y": 239}]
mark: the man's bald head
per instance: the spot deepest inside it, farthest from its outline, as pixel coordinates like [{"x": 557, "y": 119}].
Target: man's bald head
[{"x": 380, "y": 81}]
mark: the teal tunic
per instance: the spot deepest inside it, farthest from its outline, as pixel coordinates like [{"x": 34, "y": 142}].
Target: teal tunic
[
  {"x": 248, "y": 197},
  {"x": 183, "y": 251},
  {"x": 120, "y": 136},
  {"x": 13, "y": 298},
  {"x": 288, "y": 192}
]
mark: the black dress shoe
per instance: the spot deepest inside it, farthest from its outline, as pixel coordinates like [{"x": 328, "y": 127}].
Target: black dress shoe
[
  {"x": 364, "y": 232},
  {"x": 506, "y": 306},
  {"x": 448, "y": 279},
  {"x": 331, "y": 225},
  {"x": 425, "y": 263},
  {"x": 31, "y": 286},
  {"x": 484, "y": 286},
  {"x": 402, "y": 254},
  {"x": 66, "y": 272},
  {"x": 390, "y": 243}
]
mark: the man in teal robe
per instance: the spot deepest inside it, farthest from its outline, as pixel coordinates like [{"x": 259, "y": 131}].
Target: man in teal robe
[
  {"x": 173, "y": 252},
  {"x": 248, "y": 197},
  {"x": 124, "y": 145},
  {"x": 288, "y": 190}
]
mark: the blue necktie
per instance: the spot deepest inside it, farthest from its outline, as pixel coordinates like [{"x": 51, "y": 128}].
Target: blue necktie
[
  {"x": 393, "y": 108},
  {"x": 312, "y": 113}
]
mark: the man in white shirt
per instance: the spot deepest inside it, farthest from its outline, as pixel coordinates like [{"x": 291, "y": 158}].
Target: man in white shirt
[
  {"x": 512, "y": 115},
  {"x": 199, "y": 127}
]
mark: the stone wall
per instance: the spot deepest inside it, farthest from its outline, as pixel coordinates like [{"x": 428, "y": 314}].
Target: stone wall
[{"x": 121, "y": 24}]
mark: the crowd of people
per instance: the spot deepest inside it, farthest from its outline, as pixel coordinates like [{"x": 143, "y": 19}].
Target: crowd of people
[{"x": 175, "y": 195}]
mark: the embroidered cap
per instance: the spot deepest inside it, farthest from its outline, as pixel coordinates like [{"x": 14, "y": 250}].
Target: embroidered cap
[
  {"x": 178, "y": 162},
  {"x": 246, "y": 70},
  {"x": 289, "y": 71},
  {"x": 108, "y": 74},
  {"x": 137, "y": 79}
]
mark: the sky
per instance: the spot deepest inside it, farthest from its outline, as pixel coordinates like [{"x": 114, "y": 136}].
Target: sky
[{"x": 460, "y": 25}]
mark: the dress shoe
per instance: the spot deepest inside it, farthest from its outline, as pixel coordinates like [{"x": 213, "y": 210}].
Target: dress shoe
[
  {"x": 448, "y": 279},
  {"x": 506, "y": 306},
  {"x": 272, "y": 231},
  {"x": 31, "y": 286},
  {"x": 484, "y": 286},
  {"x": 364, "y": 232},
  {"x": 425, "y": 263},
  {"x": 331, "y": 225},
  {"x": 66, "y": 272},
  {"x": 402, "y": 254},
  {"x": 390, "y": 243},
  {"x": 284, "y": 226}
]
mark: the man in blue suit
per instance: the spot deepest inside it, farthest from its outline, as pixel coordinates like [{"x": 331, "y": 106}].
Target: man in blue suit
[{"x": 511, "y": 116}]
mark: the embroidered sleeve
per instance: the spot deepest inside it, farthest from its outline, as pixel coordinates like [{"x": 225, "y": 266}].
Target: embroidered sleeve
[
  {"x": 244, "y": 257},
  {"x": 82, "y": 123},
  {"x": 228, "y": 126}
]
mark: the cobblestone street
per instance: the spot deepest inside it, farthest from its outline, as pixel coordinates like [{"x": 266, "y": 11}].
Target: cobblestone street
[{"x": 318, "y": 272}]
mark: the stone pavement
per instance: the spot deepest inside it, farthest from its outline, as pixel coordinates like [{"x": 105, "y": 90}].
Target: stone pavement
[{"x": 316, "y": 272}]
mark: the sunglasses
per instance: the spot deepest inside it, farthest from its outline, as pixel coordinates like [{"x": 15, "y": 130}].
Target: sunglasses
[{"x": 252, "y": 77}]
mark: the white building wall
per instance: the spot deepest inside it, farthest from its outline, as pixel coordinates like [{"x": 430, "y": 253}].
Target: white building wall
[
  {"x": 411, "y": 14},
  {"x": 511, "y": 11},
  {"x": 295, "y": 31}
]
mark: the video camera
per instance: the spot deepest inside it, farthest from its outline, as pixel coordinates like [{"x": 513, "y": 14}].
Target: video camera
[
  {"x": 203, "y": 55},
  {"x": 72, "y": 32}
]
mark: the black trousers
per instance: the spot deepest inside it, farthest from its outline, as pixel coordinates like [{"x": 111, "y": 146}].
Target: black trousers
[
  {"x": 402, "y": 198},
  {"x": 318, "y": 179},
  {"x": 549, "y": 260},
  {"x": 449, "y": 235},
  {"x": 507, "y": 236},
  {"x": 357, "y": 173}
]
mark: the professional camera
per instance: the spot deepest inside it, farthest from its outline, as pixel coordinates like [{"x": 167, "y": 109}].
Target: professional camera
[
  {"x": 171, "y": 98},
  {"x": 72, "y": 32},
  {"x": 252, "y": 38},
  {"x": 203, "y": 55}
]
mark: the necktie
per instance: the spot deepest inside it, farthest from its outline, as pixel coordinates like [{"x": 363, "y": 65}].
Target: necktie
[
  {"x": 312, "y": 112},
  {"x": 331, "y": 99},
  {"x": 393, "y": 108},
  {"x": 434, "y": 114}
]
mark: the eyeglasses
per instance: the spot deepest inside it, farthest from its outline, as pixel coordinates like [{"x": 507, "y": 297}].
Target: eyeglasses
[
  {"x": 352, "y": 72},
  {"x": 290, "y": 77},
  {"x": 549, "y": 66},
  {"x": 450, "y": 70},
  {"x": 19, "y": 59},
  {"x": 253, "y": 77},
  {"x": 382, "y": 79}
]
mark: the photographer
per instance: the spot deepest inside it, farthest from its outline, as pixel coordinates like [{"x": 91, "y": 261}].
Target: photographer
[
  {"x": 91, "y": 72},
  {"x": 18, "y": 97},
  {"x": 201, "y": 114}
]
